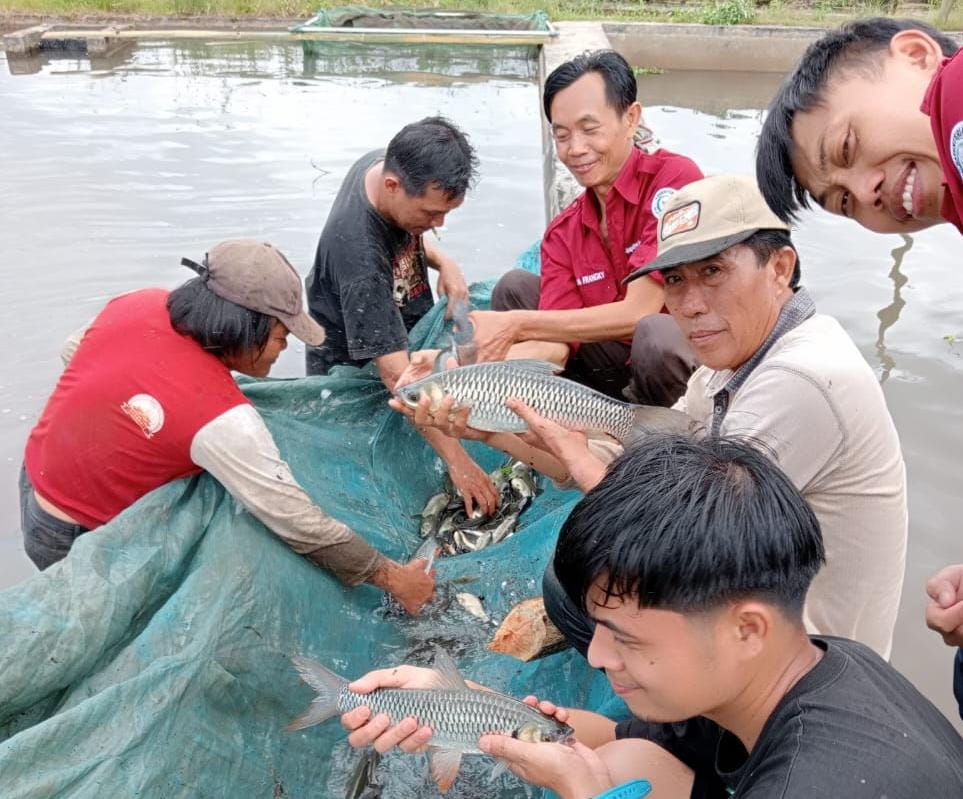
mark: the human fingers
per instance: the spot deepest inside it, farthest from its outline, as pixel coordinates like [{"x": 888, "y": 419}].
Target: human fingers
[
  {"x": 370, "y": 732},
  {"x": 948, "y": 622},
  {"x": 423, "y": 413},
  {"x": 946, "y": 586},
  {"x": 356, "y": 718},
  {"x": 398, "y": 677},
  {"x": 394, "y": 736},
  {"x": 399, "y": 406}
]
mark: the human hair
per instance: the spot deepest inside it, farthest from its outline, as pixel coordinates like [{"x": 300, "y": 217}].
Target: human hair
[
  {"x": 621, "y": 88},
  {"x": 433, "y": 151},
  {"x": 688, "y": 525},
  {"x": 220, "y": 326},
  {"x": 858, "y": 46},
  {"x": 767, "y": 241}
]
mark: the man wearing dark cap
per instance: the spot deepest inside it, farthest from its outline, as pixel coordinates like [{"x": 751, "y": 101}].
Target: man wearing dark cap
[{"x": 147, "y": 397}]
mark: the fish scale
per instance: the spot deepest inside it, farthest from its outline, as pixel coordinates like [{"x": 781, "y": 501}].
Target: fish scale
[
  {"x": 457, "y": 717},
  {"x": 485, "y": 388}
]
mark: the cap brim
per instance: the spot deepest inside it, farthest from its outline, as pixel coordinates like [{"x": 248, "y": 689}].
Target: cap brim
[
  {"x": 304, "y": 328},
  {"x": 690, "y": 253}
]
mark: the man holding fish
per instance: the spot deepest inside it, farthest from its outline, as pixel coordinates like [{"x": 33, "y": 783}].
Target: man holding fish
[
  {"x": 579, "y": 313},
  {"x": 369, "y": 284},
  {"x": 693, "y": 559},
  {"x": 775, "y": 373}
]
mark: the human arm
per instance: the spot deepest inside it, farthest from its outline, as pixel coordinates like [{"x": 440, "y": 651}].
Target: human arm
[
  {"x": 944, "y": 614},
  {"x": 451, "y": 280},
  {"x": 475, "y": 486},
  {"x": 497, "y": 331},
  {"x": 239, "y": 451}
]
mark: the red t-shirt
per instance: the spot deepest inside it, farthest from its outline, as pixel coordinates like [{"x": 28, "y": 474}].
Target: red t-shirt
[
  {"x": 578, "y": 271},
  {"x": 944, "y": 105},
  {"x": 121, "y": 420}
]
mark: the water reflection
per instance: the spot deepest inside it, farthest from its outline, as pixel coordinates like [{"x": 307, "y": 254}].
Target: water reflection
[{"x": 889, "y": 315}]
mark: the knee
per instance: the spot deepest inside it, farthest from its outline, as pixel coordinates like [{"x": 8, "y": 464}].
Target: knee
[{"x": 516, "y": 289}]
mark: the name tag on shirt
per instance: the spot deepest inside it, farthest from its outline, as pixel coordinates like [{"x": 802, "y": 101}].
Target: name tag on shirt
[{"x": 585, "y": 280}]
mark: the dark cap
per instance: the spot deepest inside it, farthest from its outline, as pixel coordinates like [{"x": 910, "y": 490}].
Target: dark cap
[{"x": 258, "y": 277}]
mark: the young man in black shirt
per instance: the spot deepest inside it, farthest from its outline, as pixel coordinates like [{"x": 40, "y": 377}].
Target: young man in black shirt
[
  {"x": 369, "y": 284},
  {"x": 693, "y": 558}
]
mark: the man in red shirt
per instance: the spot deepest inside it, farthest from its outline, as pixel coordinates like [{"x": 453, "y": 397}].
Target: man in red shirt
[
  {"x": 870, "y": 126},
  {"x": 579, "y": 313}
]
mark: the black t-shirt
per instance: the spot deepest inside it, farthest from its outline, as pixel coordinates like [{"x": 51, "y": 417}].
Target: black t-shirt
[
  {"x": 369, "y": 284},
  {"x": 853, "y": 727}
]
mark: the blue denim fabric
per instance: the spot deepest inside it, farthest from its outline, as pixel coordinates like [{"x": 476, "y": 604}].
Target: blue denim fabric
[{"x": 958, "y": 679}]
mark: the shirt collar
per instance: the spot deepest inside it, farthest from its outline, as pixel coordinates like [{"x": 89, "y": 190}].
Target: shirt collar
[{"x": 628, "y": 185}]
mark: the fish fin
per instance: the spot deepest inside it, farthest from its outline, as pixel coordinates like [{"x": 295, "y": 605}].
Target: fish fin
[
  {"x": 444, "y": 766},
  {"x": 649, "y": 419},
  {"x": 501, "y": 767},
  {"x": 447, "y": 670},
  {"x": 326, "y": 684},
  {"x": 535, "y": 365}
]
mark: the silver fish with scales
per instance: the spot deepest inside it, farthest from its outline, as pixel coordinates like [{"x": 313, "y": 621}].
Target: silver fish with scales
[
  {"x": 486, "y": 387},
  {"x": 458, "y": 715}
]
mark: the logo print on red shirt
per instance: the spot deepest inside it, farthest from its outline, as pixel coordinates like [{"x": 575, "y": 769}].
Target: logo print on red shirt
[{"x": 146, "y": 412}]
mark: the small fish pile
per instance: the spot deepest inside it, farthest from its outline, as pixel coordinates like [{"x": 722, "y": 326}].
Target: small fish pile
[
  {"x": 486, "y": 387},
  {"x": 457, "y": 714},
  {"x": 446, "y": 527}
]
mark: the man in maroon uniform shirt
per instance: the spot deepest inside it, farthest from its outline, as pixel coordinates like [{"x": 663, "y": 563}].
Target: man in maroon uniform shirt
[{"x": 578, "y": 313}]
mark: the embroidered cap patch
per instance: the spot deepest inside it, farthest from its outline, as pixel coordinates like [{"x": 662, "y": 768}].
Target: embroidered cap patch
[{"x": 680, "y": 220}]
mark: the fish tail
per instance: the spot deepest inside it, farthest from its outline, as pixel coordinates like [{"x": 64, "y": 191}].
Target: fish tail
[{"x": 328, "y": 687}]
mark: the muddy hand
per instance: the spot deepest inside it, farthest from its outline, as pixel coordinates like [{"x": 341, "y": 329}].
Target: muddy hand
[{"x": 412, "y": 587}]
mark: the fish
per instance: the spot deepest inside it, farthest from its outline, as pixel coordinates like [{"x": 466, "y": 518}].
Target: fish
[
  {"x": 458, "y": 715},
  {"x": 473, "y": 605},
  {"x": 486, "y": 387}
]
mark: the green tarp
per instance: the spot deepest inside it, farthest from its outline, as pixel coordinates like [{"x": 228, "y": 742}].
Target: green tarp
[{"x": 154, "y": 660}]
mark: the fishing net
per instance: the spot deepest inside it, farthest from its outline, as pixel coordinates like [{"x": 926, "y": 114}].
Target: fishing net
[{"x": 154, "y": 660}]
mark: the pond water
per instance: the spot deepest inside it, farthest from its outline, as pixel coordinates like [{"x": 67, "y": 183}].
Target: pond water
[{"x": 114, "y": 171}]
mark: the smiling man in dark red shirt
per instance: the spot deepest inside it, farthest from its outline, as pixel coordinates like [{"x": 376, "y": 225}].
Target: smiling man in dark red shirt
[{"x": 579, "y": 313}]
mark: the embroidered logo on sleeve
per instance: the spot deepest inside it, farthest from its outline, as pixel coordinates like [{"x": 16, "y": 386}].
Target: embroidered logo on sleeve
[
  {"x": 680, "y": 220},
  {"x": 956, "y": 147},
  {"x": 659, "y": 200},
  {"x": 146, "y": 412}
]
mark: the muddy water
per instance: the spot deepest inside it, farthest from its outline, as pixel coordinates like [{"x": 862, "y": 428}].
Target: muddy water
[{"x": 111, "y": 175}]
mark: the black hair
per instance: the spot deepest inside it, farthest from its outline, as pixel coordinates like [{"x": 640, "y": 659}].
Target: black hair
[
  {"x": 621, "y": 88},
  {"x": 686, "y": 525},
  {"x": 433, "y": 151},
  {"x": 767, "y": 241},
  {"x": 218, "y": 325},
  {"x": 856, "y": 45}
]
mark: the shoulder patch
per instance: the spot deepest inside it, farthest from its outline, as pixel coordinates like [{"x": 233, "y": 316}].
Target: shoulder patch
[
  {"x": 956, "y": 147},
  {"x": 659, "y": 200}
]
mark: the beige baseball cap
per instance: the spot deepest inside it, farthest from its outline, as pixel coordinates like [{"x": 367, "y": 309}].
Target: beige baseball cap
[
  {"x": 707, "y": 217},
  {"x": 258, "y": 277}
]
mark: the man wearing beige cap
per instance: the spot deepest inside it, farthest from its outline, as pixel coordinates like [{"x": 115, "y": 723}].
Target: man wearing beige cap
[
  {"x": 147, "y": 397},
  {"x": 780, "y": 376}
]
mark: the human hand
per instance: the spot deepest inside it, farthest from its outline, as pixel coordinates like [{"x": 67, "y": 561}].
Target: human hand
[
  {"x": 570, "y": 447},
  {"x": 475, "y": 487},
  {"x": 560, "y": 714},
  {"x": 494, "y": 334},
  {"x": 410, "y": 585},
  {"x": 944, "y": 614},
  {"x": 420, "y": 364},
  {"x": 451, "y": 283},
  {"x": 569, "y": 769},
  {"x": 377, "y": 730},
  {"x": 445, "y": 417}
]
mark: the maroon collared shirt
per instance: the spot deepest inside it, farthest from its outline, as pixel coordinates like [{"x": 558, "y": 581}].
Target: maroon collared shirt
[
  {"x": 578, "y": 271},
  {"x": 943, "y": 104}
]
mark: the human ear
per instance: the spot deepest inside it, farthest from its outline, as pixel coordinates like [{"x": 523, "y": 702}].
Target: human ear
[
  {"x": 917, "y": 48},
  {"x": 752, "y": 625},
  {"x": 784, "y": 264},
  {"x": 632, "y": 116}
]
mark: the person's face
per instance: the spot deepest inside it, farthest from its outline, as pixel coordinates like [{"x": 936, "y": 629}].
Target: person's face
[
  {"x": 418, "y": 215},
  {"x": 592, "y": 139},
  {"x": 259, "y": 363},
  {"x": 867, "y": 152},
  {"x": 728, "y": 304},
  {"x": 666, "y": 666}
]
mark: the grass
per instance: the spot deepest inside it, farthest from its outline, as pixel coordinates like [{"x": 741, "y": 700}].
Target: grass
[{"x": 776, "y": 12}]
